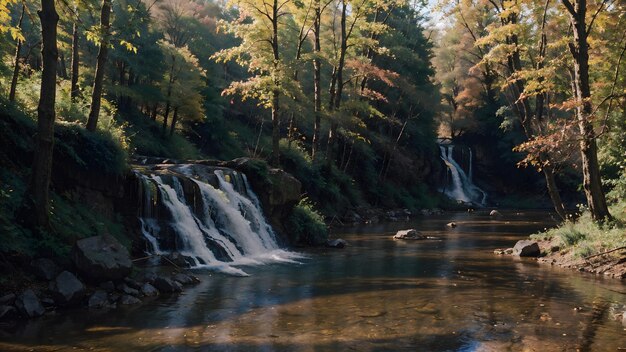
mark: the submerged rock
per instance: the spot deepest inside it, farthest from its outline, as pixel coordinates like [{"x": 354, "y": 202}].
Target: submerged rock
[
  {"x": 526, "y": 248},
  {"x": 184, "y": 279},
  {"x": 410, "y": 234},
  {"x": 451, "y": 224},
  {"x": 495, "y": 213},
  {"x": 45, "y": 269},
  {"x": 28, "y": 304},
  {"x": 67, "y": 289},
  {"x": 102, "y": 258},
  {"x": 336, "y": 243}
]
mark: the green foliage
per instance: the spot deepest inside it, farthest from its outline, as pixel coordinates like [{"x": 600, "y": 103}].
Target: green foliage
[{"x": 306, "y": 225}]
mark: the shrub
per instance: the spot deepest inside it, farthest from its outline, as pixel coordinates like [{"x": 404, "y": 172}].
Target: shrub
[{"x": 306, "y": 225}]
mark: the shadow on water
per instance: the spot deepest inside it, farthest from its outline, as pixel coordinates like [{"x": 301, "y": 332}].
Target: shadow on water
[{"x": 378, "y": 294}]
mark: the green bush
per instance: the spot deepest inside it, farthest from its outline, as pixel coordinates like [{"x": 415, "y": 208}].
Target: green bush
[{"x": 306, "y": 226}]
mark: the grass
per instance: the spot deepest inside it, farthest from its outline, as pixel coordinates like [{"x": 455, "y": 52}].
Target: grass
[{"x": 585, "y": 237}]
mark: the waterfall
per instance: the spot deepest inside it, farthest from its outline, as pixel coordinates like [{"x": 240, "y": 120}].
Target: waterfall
[
  {"x": 212, "y": 217},
  {"x": 461, "y": 188}
]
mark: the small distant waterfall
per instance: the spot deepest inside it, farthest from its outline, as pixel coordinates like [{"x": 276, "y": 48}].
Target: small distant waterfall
[
  {"x": 461, "y": 187},
  {"x": 218, "y": 227}
]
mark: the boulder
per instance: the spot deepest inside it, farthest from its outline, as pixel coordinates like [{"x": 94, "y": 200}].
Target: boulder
[
  {"x": 128, "y": 300},
  {"x": 495, "y": 213},
  {"x": 102, "y": 258},
  {"x": 451, "y": 224},
  {"x": 410, "y": 234},
  {"x": 127, "y": 290},
  {"x": 184, "y": 279},
  {"x": 336, "y": 243},
  {"x": 526, "y": 248},
  {"x": 98, "y": 299},
  {"x": 166, "y": 285},
  {"x": 7, "y": 299},
  {"x": 45, "y": 269},
  {"x": 149, "y": 290},
  {"x": 7, "y": 312},
  {"x": 66, "y": 289},
  {"x": 132, "y": 283},
  {"x": 28, "y": 304},
  {"x": 180, "y": 260}
]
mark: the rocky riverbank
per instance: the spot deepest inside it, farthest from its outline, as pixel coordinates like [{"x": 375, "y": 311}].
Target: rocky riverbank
[{"x": 101, "y": 275}]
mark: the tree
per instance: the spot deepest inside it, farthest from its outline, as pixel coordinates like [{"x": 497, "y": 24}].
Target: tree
[
  {"x": 104, "y": 33},
  {"x": 18, "y": 48},
  {"x": 42, "y": 164},
  {"x": 579, "y": 49}
]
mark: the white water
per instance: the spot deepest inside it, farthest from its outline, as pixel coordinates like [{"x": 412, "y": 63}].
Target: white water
[
  {"x": 461, "y": 188},
  {"x": 228, "y": 220}
]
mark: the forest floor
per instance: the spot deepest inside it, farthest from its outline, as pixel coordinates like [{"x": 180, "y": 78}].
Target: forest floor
[{"x": 611, "y": 264}]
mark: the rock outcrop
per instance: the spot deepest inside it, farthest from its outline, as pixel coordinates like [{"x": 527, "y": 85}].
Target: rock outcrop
[
  {"x": 29, "y": 305},
  {"x": 410, "y": 234},
  {"x": 526, "y": 248},
  {"x": 66, "y": 289}
]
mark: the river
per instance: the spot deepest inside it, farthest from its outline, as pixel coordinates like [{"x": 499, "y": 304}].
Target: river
[{"x": 450, "y": 294}]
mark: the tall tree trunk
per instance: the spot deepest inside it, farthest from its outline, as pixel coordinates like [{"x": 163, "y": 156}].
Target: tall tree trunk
[
  {"x": 275, "y": 90},
  {"x": 42, "y": 163},
  {"x": 337, "y": 96},
  {"x": 155, "y": 110},
  {"x": 96, "y": 96},
  {"x": 174, "y": 121},
  {"x": 75, "y": 62},
  {"x": 592, "y": 181},
  {"x": 553, "y": 191},
  {"x": 317, "y": 73},
  {"x": 165, "y": 116},
  {"x": 62, "y": 66},
  {"x": 16, "y": 67}
]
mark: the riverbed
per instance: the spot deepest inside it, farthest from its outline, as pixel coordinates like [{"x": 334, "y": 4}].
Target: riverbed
[{"x": 450, "y": 293}]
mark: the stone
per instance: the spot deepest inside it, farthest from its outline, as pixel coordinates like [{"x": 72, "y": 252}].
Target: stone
[
  {"x": 495, "y": 213},
  {"x": 129, "y": 300},
  {"x": 66, "y": 289},
  {"x": 132, "y": 283},
  {"x": 509, "y": 251},
  {"x": 184, "y": 279},
  {"x": 7, "y": 312},
  {"x": 45, "y": 269},
  {"x": 555, "y": 249},
  {"x": 47, "y": 302},
  {"x": 410, "y": 234},
  {"x": 102, "y": 258},
  {"x": 28, "y": 304},
  {"x": 179, "y": 260},
  {"x": 166, "y": 285},
  {"x": 451, "y": 224},
  {"x": 148, "y": 276},
  {"x": 336, "y": 243},
  {"x": 526, "y": 248},
  {"x": 127, "y": 290},
  {"x": 149, "y": 290},
  {"x": 7, "y": 299},
  {"x": 108, "y": 286},
  {"x": 98, "y": 299}
]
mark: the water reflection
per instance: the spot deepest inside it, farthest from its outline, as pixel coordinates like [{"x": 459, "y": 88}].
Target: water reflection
[{"x": 378, "y": 294}]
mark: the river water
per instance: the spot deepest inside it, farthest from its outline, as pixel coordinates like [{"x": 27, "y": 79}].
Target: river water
[{"x": 451, "y": 294}]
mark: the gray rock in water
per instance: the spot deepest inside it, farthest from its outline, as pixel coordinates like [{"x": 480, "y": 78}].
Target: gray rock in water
[
  {"x": 451, "y": 224},
  {"x": 102, "y": 258},
  {"x": 166, "y": 285},
  {"x": 67, "y": 289},
  {"x": 7, "y": 312},
  {"x": 99, "y": 299},
  {"x": 128, "y": 300},
  {"x": 336, "y": 243},
  {"x": 132, "y": 283},
  {"x": 149, "y": 290},
  {"x": 45, "y": 269},
  {"x": 184, "y": 279},
  {"x": 495, "y": 213},
  {"x": 28, "y": 304},
  {"x": 526, "y": 248},
  {"x": 410, "y": 234},
  {"x": 7, "y": 299}
]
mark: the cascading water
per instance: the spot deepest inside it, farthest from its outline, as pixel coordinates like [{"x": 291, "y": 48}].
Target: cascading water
[
  {"x": 461, "y": 187},
  {"x": 219, "y": 227}
]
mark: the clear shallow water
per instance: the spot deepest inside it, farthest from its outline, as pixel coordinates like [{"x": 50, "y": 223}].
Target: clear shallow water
[{"x": 376, "y": 295}]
